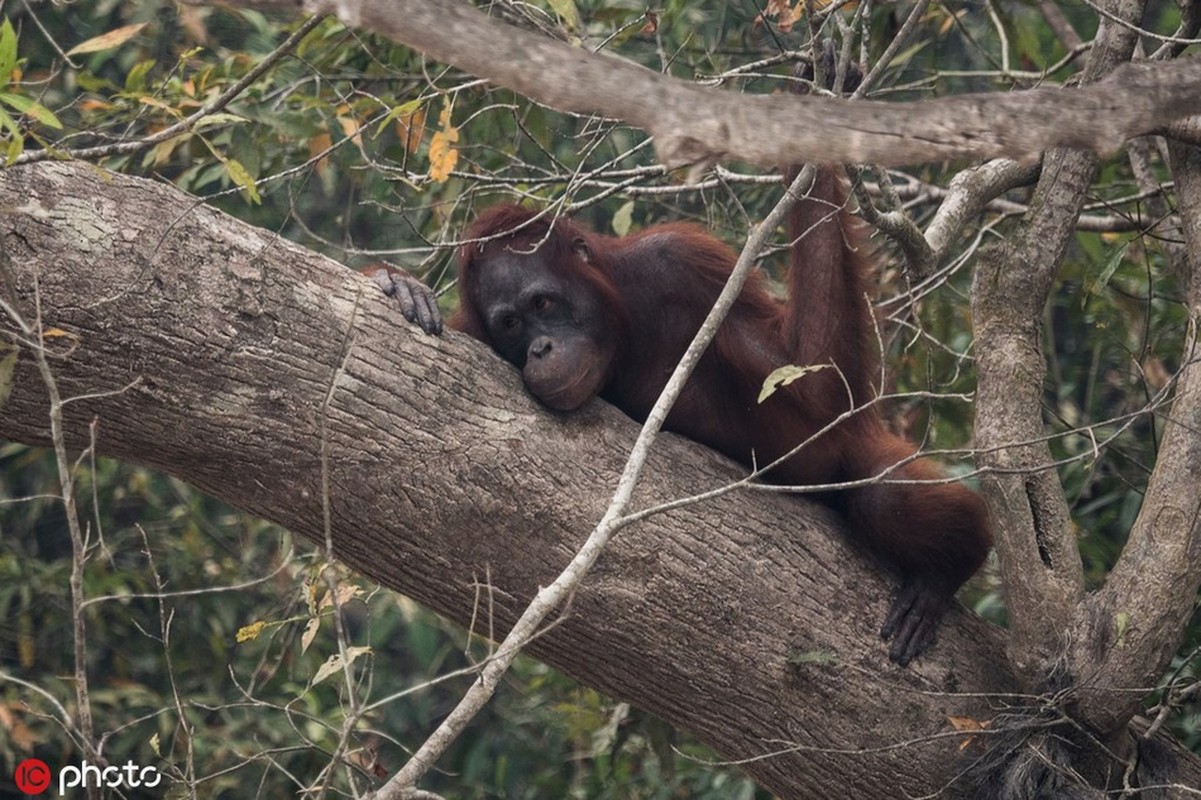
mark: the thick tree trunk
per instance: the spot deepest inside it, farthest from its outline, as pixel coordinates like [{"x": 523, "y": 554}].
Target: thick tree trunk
[{"x": 228, "y": 357}]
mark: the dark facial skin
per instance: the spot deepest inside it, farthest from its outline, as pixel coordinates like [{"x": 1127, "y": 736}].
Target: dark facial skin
[{"x": 550, "y": 328}]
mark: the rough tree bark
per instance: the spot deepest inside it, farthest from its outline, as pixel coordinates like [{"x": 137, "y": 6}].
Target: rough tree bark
[
  {"x": 444, "y": 474},
  {"x": 1036, "y": 539},
  {"x": 219, "y": 344}
]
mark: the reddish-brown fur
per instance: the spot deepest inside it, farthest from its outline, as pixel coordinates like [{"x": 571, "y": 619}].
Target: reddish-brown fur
[{"x": 656, "y": 286}]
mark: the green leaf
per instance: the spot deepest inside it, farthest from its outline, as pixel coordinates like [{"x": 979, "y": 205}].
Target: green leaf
[
  {"x": 8, "y": 123},
  {"x": 1111, "y": 266},
  {"x": 906, "y": 55},
  {"x": 783, "y": 376},
  {"x": 239, "y": 175},
  {"x": 135, "y": 81},
  {"x": 16, "y": 146},
  {"x": 567, "y": 12},
  {"x": 31, "y": 108},
  {"x": 213, "y": 120},
  {"x": 93, "y": 83},
  {"x": 44, "y": 116},
  {"x": 8, "y": 51},
  {"x": 623, "y": 218}
]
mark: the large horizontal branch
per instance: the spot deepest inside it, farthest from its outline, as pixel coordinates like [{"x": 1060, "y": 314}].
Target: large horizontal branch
[
  {"x": 694, "y": 124},
  {"x": 224, "y": 355},
  {"x": 207, "y": 348}
]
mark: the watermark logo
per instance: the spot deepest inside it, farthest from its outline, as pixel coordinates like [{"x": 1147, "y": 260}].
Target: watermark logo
[{"x": 33, "y": 776}]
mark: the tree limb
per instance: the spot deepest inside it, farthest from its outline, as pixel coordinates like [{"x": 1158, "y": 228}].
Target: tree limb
[
  {"x": 1035, "y": 538},
  {"x": 206, "y": 347},
  {"x": 697, "y": 125},
  {"x": 1150, "y": 594}
]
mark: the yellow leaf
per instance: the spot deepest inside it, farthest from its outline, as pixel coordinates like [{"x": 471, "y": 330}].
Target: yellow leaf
[
  {"x": 350, "y": 127},
  {"x": 163, "y": 150},
  {"x": 242, "y": 177},
  {"x": 107, "y": 41},
  {"x": 779, "y": 378},
  {"x": 343, "y": 594},
  {"x": 949, "y": 22},
  {"x": 248, "y": 633},
  {"x": 969, "y": 725},
  {"x": 443, "y": 155},
  {"x": 310, "y": 633},
  {"x": 57, "y": 333},
  {"x": 623, "y": 218},
  {"x": 410, "y": 128},
  {"x": 1122, "y": 622},
  {"x": 319, "y": 144}
]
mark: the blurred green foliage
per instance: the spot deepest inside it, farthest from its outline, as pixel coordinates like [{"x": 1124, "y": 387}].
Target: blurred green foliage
[
  {"x": 331, "y": 146},
  {"x": 253, "y": 714}
]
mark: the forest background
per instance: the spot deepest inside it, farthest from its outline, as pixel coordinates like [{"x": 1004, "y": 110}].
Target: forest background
[{"x": 232, "y": 653}]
